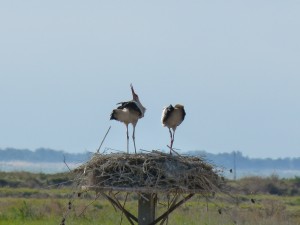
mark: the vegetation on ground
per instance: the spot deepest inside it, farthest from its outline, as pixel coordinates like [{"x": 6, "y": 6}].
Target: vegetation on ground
[
  {"x": 34, "y": 180},
  {"x": 254, "y": 201}
]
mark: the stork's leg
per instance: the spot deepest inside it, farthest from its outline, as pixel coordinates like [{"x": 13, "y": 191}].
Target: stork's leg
[
  {"x": 133, "y": 137},
  {"x": 173, "y": 138},
  {"x": 171, "y": 141},
  {"x": 127, "y": 138}
]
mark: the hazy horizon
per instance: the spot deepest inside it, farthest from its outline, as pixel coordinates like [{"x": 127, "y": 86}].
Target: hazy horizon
[
  {"x": 53, "y": 161},
  {"x": 233, "y": 65}
]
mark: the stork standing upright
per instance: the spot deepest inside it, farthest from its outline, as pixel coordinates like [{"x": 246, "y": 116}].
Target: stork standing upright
[
  {"x": 129, "y": 112},
  {"x": 172, "y": 117}
]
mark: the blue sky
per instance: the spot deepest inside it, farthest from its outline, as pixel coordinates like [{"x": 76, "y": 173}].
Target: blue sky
[{"x": 234, "y": 65}]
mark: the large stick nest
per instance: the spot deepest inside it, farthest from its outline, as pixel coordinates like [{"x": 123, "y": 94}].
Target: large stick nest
[{"x": 153, "y": 172}]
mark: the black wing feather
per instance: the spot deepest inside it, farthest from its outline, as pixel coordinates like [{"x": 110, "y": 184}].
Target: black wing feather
[
  {"x": 183, "y": 114},
  {"x": 168, "y": 113},
  {"x": 131, "y": 105}
]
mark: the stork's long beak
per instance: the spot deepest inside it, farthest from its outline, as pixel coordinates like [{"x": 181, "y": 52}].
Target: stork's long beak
[{"x": 132, "y": 90}]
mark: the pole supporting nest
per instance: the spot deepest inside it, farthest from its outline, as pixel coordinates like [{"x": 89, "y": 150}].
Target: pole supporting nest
[{"x": 146, "y": 208}]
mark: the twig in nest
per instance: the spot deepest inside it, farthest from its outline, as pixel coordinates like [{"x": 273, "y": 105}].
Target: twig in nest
[
  {"x": 66, "y": 163},
  {"x": 115, "y": 150},
  {"x": 103, "y": 139},
  {"x": 172, "y": 150},
  {"x": 144, "y": 150}
]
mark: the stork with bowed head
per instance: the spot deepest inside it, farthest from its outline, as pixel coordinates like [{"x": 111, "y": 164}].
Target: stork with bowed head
[
  {"x": 172, "y": 117},
  {"x": 129, "y": 112}
]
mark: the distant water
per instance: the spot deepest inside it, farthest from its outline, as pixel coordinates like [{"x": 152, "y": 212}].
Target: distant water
[
  {"x": 263, "y": 173},
  {"x": 59, "y": 167},
  {"x": 36, "y": 167}
]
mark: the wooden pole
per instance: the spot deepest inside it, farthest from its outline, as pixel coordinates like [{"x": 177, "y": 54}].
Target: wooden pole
[{"x": 146, "y": 208}]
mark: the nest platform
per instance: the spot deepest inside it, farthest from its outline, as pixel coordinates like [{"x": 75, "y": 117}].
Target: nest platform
[{"x": 153, "y": 172}]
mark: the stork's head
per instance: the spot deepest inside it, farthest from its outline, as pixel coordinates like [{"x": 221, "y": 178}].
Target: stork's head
[
  {"x": 134, "y": 95},
  {"x": 137, "y": 100}
]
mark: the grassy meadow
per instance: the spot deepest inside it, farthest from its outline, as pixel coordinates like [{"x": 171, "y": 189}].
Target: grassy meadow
[{"x": 250, "y": 203}]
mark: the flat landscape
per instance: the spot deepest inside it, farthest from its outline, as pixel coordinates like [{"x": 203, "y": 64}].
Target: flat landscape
[{"x": 31, "y": 199}]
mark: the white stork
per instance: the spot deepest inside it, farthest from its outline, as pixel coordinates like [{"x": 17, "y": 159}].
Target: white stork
[
  {"x": 172, "y": 117},
  {"x": 129, "y": 112}
]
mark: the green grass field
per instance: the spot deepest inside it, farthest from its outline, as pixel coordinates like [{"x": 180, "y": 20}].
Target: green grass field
[
  {"x": 35, "y": 199},
  {"x": 26, "y": 206}
]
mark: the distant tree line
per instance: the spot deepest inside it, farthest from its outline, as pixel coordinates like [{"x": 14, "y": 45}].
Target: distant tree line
[
  {"x": 225, "y": 160},
  {"x": 41, "y": 155}
]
